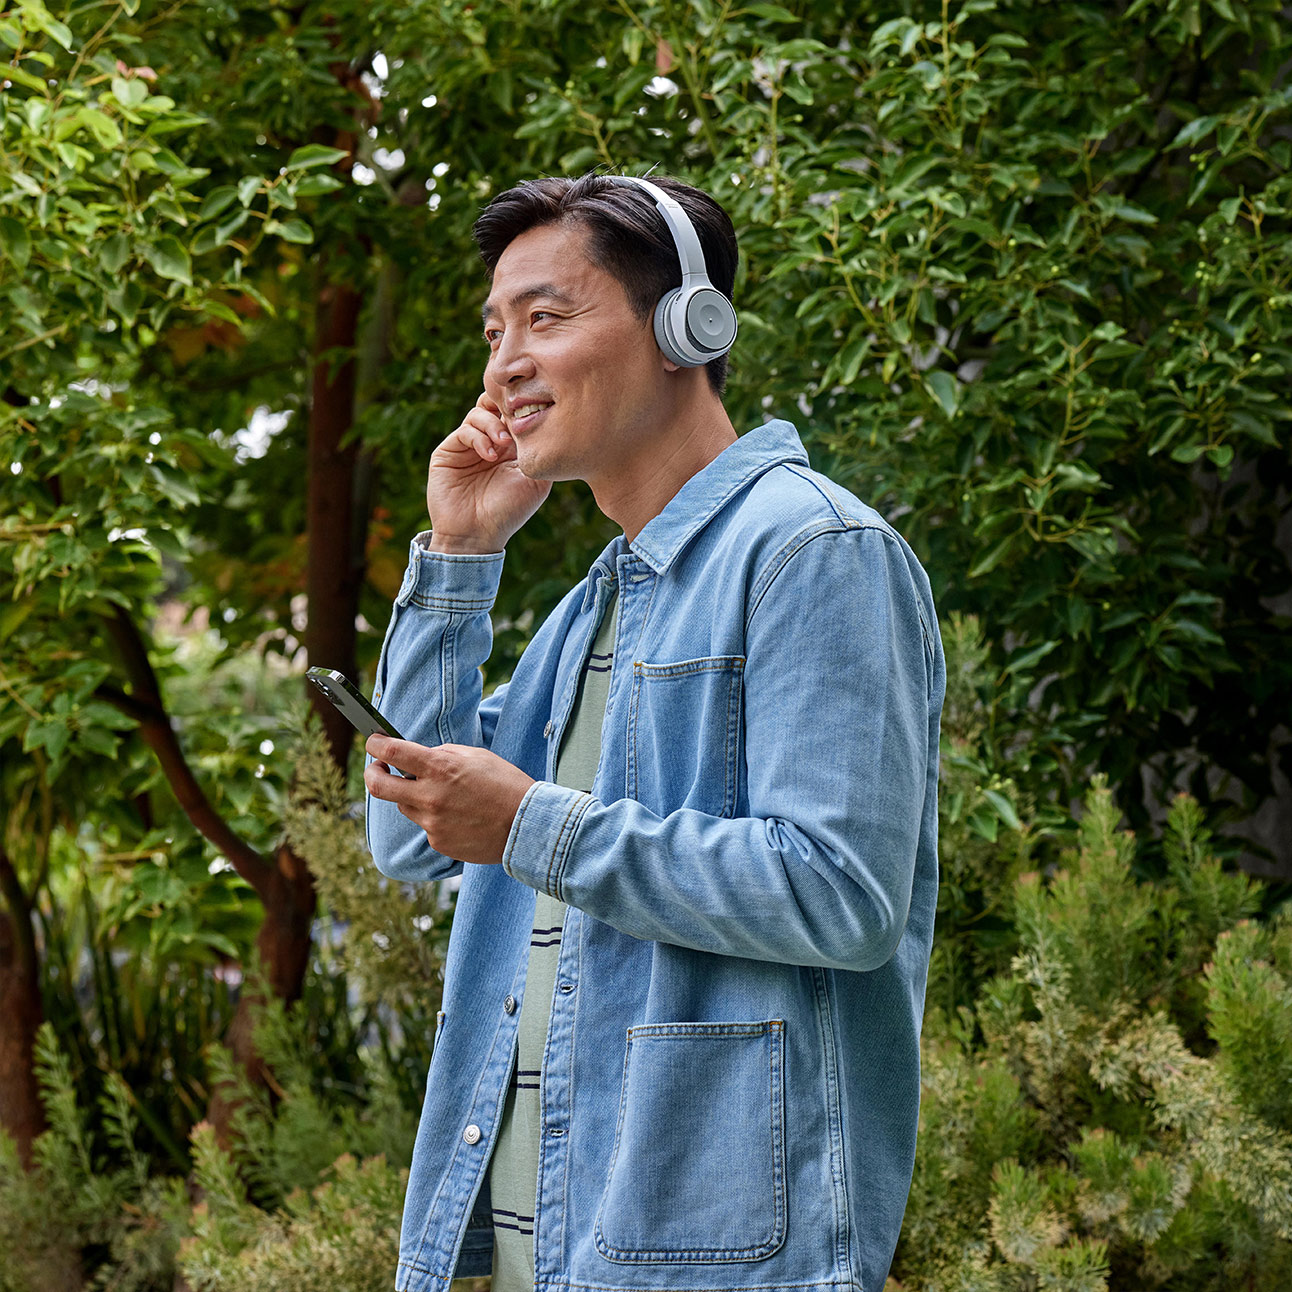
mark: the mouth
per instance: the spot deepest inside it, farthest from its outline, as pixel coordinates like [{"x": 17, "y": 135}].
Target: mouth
[{"x": 527, "y": 416}]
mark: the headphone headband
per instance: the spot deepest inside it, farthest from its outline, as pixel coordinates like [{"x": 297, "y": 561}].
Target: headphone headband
[
  {"x": 694, "y": 323},
  {"x": 679, "y": 224}
]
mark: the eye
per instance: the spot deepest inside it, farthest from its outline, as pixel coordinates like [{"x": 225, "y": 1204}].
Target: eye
[
  {"x": 541, "y": 314},
  {"x": 491, "y": 334}
]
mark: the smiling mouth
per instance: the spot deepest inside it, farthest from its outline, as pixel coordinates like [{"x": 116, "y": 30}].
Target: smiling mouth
[{"x": 528, "y": 415}]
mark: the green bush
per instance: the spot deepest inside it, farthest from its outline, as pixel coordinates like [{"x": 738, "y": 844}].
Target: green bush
[
  {"x": 1113, "y": 1111},
  {"x": 1107, "y": 1057}
]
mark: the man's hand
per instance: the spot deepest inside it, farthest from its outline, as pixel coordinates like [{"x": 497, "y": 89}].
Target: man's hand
[
  {"x": 465, "y": 798},
  {"x": 476, "y": 494}
]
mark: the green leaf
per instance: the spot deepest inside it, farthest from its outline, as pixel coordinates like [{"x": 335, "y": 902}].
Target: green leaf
[
  {"x": 105, "y": 130},
  {"x": 1204, "y": 181},
  {"x": 1024, "y": 659},
  {"x": 225, "y": 230},
  {"x": 316, "y": 185},
  {"x": 993, "y": 558},
  {"x": 20, "y": 76},
  {"x": 15, "y": 241},
  {"x": 984, "y": 824},
  {"x": 1113, "y": 350},
  {"x": 60, "y": 31},
  {"x": 1004, "y": 808},
  {"x": 1076, "y": 475},
  {"x": 1135, "y": 214},
  {"x": 129, "y": 93},
  {"x": 315, "y": 155},
  {"x": 772, "y": 12},
  {"x": 174, "y": 485},
  {"x": 291, "y": 230},
  {"x": 248, "y": 186},
  {"x": 943, "y": 386},
  {"x": 217, "y": 200},
  {"x": 170, "y": 260},
  {"x": 1193, "y": 131},
  {"x": 114, "y": 253},
  {"x": 1196, "y": 631}
]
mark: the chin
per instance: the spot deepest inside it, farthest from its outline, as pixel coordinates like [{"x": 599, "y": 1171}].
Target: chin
[{"x": 540, "y": 466}]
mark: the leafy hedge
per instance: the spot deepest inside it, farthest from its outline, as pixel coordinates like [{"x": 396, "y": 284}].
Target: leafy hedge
[{"x": 1106, "y": 1100}]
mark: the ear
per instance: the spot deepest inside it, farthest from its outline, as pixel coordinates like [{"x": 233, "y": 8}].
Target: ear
[{"x": 669, "y": 365}]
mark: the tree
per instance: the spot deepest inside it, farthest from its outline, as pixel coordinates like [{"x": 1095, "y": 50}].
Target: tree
[{"x": 1018, "y": 279}]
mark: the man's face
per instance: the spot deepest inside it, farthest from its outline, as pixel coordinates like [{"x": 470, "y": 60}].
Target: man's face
[{"x": 563, "y": 337}]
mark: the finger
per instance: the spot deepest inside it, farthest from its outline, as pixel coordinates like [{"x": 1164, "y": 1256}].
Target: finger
[
  {"x": 491, "y": 424},
  {"x": 381, "y": 783},
  {"x": 476, "y": 439},
  {"x": 407, "y": 755}
]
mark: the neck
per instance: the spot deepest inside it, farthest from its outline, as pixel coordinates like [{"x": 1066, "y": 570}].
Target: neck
[{"x": 695, "y": 432}]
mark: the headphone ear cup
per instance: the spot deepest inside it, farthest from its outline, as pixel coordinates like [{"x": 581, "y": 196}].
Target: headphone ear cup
[{"x": 692, "y": 329}]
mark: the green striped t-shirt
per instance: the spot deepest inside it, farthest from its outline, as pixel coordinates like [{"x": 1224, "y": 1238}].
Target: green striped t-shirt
[{"x": 513, "y": 1171}]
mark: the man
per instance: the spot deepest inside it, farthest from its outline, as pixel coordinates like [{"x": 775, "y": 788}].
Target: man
[{"x": 697, "y": 828}]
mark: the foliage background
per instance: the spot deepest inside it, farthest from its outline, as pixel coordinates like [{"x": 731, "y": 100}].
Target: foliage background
[{"x": 1020, "y": 275}]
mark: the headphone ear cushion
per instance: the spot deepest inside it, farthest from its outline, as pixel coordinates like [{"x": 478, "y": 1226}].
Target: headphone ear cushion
[{"x": 665, "y": 322}]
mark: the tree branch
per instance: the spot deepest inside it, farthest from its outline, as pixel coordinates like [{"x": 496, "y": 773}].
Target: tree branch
[{"x": 144, "y": 704}]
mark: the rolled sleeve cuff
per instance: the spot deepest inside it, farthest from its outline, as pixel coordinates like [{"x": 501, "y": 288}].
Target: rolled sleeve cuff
[
  {"x": 542, "y": 834},
  {"x": 455, "y": 583}
]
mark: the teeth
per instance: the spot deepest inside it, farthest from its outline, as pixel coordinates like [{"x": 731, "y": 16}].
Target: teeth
[{"x": 527, "y": 409}]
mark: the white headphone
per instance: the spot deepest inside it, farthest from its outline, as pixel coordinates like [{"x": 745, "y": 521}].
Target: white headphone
[{"x": 695, "y": 322}]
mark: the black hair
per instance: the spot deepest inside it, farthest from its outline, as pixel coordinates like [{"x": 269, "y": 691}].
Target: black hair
[{"x": 628, "y": 236}]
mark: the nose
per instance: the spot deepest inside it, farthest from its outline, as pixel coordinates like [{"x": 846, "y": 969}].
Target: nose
[{"x": 511, "y": 360}]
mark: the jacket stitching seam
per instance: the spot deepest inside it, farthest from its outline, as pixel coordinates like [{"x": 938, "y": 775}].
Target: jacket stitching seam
[
  {"x": 803, "y": 538},
  {"x": 781, "y": 558},
  {"x": 452, "y": 605},
  {"x": 818, "y": 483},
  {"x": 578, "y": 810}
]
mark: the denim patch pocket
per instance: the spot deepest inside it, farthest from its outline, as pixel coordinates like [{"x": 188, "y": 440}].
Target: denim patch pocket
[
  {"x": 697, "y": 1172},
  {"x": 684, "y": 723}
]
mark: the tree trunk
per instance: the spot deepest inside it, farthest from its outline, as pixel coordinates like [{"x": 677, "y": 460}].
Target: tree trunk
[
  {"x": 21, "y": 1012},
  {"x": 333, "y": 580},
  {"x": 333, "y": 576}
]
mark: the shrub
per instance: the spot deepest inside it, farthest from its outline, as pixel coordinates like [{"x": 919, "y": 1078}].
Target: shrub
[{"x": 1110, "y": 1113}]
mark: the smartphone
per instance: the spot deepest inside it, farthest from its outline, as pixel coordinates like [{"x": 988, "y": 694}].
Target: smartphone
[{"x": 351, "y": 704}]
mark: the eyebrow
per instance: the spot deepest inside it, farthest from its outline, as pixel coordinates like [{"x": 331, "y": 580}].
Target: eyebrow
[{"x": 548, "y": 290}]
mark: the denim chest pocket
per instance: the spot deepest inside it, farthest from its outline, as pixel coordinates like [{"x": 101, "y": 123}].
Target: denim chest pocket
[
  {"x": 697, "y": 1173},
  {"x": 684, "y": 724}
]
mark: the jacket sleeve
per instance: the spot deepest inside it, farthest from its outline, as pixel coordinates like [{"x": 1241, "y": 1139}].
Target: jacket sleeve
[
  {"x": 429, "y": 686},
  {"x": 842, "y": 695}
]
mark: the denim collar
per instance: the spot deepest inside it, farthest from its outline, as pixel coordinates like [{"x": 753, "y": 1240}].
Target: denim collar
[{"x": 700, "y": 499}]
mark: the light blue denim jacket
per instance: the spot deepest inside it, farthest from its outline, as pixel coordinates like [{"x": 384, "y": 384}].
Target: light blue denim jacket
[{"x": 731, "y": 1081}]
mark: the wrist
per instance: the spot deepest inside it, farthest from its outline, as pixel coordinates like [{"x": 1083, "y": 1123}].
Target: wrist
[{"x": 451, "y": 545}]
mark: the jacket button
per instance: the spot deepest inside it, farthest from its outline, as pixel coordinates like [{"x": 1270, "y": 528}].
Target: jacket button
[
  {"x": 509, "y": 1005},
  {"x": 472, "y": 1134},
  {"x": 547, "y": 731}
]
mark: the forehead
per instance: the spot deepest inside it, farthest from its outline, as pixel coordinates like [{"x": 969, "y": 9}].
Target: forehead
[{"x": 553, "y": 257}]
